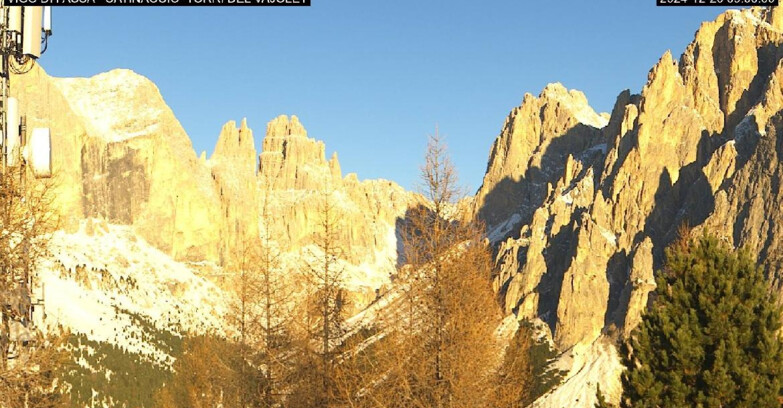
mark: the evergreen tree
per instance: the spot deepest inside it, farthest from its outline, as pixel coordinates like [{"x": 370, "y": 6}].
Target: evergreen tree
[
  {"x": 274, "y": 296},
  {"x": 601, "y": 399},
  {"x": 514, "y": 380},
  {"x": 210, "y": 373},
  {"x": 711, "y": 338}
]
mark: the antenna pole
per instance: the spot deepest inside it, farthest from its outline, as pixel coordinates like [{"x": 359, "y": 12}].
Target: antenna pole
[{"x": 22, "y": 31}]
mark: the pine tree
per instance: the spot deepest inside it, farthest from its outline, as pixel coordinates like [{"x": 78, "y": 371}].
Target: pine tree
[
  {"x": 601, "y": 399},
  {"x": 244, "y": 314},
  {"x": 210, "y": 373},
  {"x": 711, "y": 338},
  {"x": 250, "y": 368},
  {"x": 36, "y": 378},
  {"x": 514, "y": 379}
]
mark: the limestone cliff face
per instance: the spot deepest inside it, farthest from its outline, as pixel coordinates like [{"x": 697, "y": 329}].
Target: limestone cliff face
[
  {"x": 110, "y": 135},
  {"x": 531, "y": 151},
  {"x": 294, "y": 174},
  {"x": 121, "y": 155},
  {"x": 233, "y": 167},
  {"x": 138, "y": 165},
  {"x": 577, "y": 245},
  {"x": 290, "y": 160},
  {"x": 44, "y": 106}
]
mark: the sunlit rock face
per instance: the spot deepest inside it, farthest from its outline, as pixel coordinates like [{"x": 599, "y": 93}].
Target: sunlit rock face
[
  {"x": 149, "y": 232},
  {"x": 294, "y": 178},
  {"x": 233, "y": 167},
  {"x": 581, "y": 207},
  {"x": 121, "y": 155},
  {"x": 578, "y": 205},
  {"x": 531, "y": 152},
  {"x": 292, "y": 161}
]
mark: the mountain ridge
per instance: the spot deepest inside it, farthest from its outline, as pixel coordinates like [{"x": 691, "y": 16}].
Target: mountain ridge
[
  {"x": 578, "y": 205},
  {"x": 621, "y": 191}
]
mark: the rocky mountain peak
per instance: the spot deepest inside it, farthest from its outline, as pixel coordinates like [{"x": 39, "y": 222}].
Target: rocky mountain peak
[
  {"x": 237, "y": 145},
  {"x": 574, "y": 101},
  {"x": 531, "y": 151},
  {"x": 95, "y": 99},
  {"x": 698, "y": 145},
  {"x": 334, "y": 166},
  {"x": 283, "y": 126},
  {"x": 291, "y": 160},
  {"x": 233, "y": 168}
]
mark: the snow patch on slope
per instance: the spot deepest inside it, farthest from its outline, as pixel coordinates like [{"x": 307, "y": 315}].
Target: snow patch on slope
[
  {"x": 576, "y": 102},
  {"x": 588, "y": 366},
  {"x": 502, "y": 230},
  {"x": 95, "y": 100},
  {"x": 101, "y": 280}
]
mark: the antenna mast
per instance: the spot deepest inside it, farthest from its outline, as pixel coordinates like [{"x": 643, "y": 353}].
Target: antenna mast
[{"x": 24, "y": 35}]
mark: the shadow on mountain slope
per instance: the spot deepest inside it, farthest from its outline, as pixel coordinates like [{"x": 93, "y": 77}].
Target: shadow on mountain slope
[{"x": 524, "y": 195}]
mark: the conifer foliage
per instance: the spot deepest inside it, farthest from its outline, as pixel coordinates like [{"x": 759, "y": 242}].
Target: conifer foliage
[
  {"x": 601, "y": 401},
  {"x": 514, "y": 380},
  {"x": 711, "y": 338}
]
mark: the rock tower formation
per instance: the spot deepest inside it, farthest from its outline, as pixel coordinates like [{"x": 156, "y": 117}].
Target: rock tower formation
[
  {"x": 582, "y": 207},
  {"x": 121, "y": 155}
]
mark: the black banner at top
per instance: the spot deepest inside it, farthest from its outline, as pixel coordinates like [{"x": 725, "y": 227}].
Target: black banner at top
[
  {"x": 724, "y": 3},
  {"x": 304, "y": 3}
]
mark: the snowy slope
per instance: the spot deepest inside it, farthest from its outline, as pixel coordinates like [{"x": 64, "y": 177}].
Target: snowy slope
[
  {"x": 587, "y": 366},
  {"x": 94, "y": 100},
  {"x": 108, "y": 284}
]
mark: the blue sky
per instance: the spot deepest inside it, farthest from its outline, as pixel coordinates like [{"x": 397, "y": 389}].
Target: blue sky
[{"x": 373, "y": 78}]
